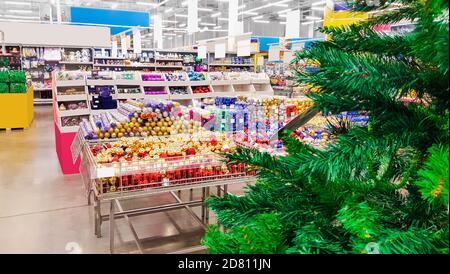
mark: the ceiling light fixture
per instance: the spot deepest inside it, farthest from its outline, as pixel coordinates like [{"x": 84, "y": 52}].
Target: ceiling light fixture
[
  {"x": 19, "y": 16},
  {"x": 217, "y": 27},
  {"x": 20, "y": 11},
  {"x": 223, "y": 19},
  {"x": 319, "y": 3},
  {"x": 249, "y": 13},
  {"x": 182, "y": 25},
  {"x": 205, "y": 9},
  {"x": 258, "y": 17},
  {"x": 281, "y": 5},
  {"x": 18, "y": 3},
  {"x": 147, "y": 4},
  {"x": 181, "y": 15},
  {"x": 262, "y": 21},
  {"x": 168, "y": 10},
  {"x": 216, "y": 14},
  {"x": 284, "y": 11},
  {"x": 170, "y": 21},
  {"x": 207, "y": 24},
  {"x": 308, "y": 23},
  {"x": 312, "y": 18}
]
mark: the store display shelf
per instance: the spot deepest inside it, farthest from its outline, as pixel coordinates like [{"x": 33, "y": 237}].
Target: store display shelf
[
  {"x": 155, "y": 84},
  {"x": 70, "y": 83},
  {"x": 169, "y": 60},
  {"x": 230, "y": 65},
  {"x": 265, "y": 93},
  {"x": 200, "y": 83},
  {"x": 125, "y": 66},
  {"x": 91, "y": 82},
  {"x": 177, "y": 83},
  {"x": 40, "y": 101},
  {"x": 128, "y": 82},
  {"x": 76, "y": 112},
  {"x": 180, "y": 96},
  {"x": 100, "y": 111},
  {"x": 202, "y": 95},
  {"x": 123, "y": 96},
  {"x": 158, "y": 96},
  {"x": 224, "y": 94},
  {"x": 221, "y": 82},
  {"x": 241, "y": 82},
  {"x": 75, "y": 63},
  {"x": 109, "y": 58},
  {"x": 168, "y": 66},
  {"x": 244, "y": 93},
  {"x": 69, "y": 129},
  {"x": 75, "y": 97},
  {"x": 261, "y": 81}
]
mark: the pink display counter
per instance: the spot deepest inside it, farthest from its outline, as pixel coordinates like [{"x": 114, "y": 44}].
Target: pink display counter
[{"x": 63, "y": 142}]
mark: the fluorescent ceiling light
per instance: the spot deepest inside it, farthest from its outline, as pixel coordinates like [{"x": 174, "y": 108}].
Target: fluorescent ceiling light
[
  {"x": 242, "y": 7},
  {"x": 182, "y": 25},
  {"x": 18, "y": 3},
  {"x": 284, "y": 11},
  {"x": 312, "y": 18},
  {"x": 20, "y": 11},
  {"x": 281, "y": 5},
  {"x": 147, "y": 4},
  {"x": 262, "y": 21},
  {"x": 170, "y": 21},
  {"x": 184, "y": 3},
  {"x": 216, "y": 14},
  {"x": 169, "y": 34},
  {"x": 217, "y": 27},
  {"x": 258, "y": 17},
  {"x": 207, "y": 24},
  {"x": 223, "y": 19},
  {"x": 19, "y": 16},
  {"x": 181, "y": 15},
  {"x": 308, "y": 23},
  {"x": 319, "y": 3},
  {"x": 168, "y": 10},
  {"x": 205, "y": 9},
  {"x": 282, "y": 23},
  {"x": 282, "y": 15},
  {"x": 250, "y": 13}
]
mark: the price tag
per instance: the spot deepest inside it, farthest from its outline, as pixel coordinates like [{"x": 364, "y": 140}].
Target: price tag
[{"x": 77, "y": 145}]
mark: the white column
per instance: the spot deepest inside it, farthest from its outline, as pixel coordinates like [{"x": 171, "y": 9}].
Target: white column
[
  {"x": 58, "y": 12},
  {"x": 157, "y": 31}
]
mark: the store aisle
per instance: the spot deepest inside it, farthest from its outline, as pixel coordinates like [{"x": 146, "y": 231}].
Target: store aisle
[{"x": 44, "y": 211}]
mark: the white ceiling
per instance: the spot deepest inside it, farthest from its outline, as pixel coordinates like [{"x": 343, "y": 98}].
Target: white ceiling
[{"x": 261, "y": 17}]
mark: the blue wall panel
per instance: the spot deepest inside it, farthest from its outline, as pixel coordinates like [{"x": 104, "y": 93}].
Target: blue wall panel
[
  {"x": 110, "y": 17},
  {"x": 265, "y": 41}
]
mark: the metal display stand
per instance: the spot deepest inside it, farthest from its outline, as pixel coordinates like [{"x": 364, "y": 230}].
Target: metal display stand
[{"x": 180, "y": 170}]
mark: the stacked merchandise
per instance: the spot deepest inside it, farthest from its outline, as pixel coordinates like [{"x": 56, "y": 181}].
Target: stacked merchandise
[
  {"x": 166, "y": 161},
  {"x": 132, "y": 119},
  {"x": 102, "y": 97},
  {"x": 13, "y": 81}
]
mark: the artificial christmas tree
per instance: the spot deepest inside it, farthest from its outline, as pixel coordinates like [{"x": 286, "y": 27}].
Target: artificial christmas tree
[{"x": 378, "y": 189}]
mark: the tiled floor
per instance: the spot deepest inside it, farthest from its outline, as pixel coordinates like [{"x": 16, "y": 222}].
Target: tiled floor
[{"x": 44, "y": 211}]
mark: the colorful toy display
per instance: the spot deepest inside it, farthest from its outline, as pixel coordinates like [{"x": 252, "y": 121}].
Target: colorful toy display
[
  {"x": 152, "y": 77},
  {"x": 201, "y": 89},
  {"x": 196, "y": 76},
  {"x": 13, "y": 81}
]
